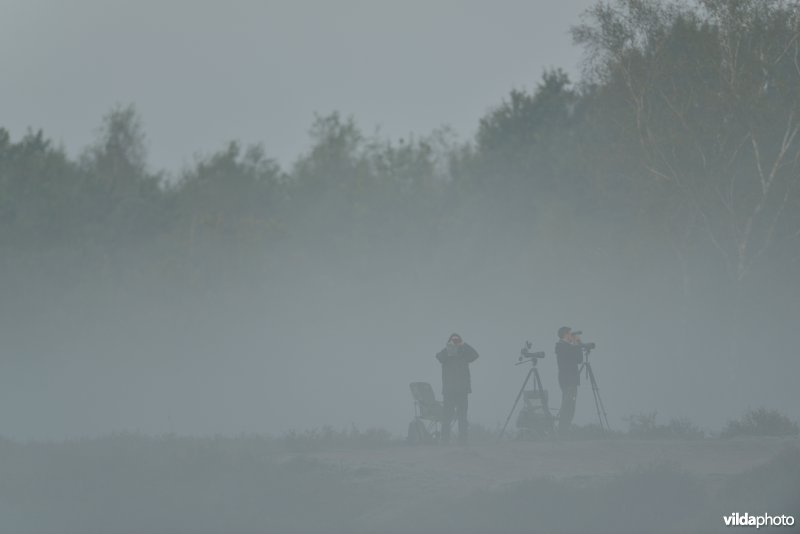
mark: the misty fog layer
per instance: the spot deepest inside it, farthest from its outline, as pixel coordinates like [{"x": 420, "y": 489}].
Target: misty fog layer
[
  {"x": 229, "y": 348},
  {"x": 653, "y": 205}
]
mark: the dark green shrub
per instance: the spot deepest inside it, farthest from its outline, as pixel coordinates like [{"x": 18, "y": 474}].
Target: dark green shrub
[{"x": 761, "y": 422}]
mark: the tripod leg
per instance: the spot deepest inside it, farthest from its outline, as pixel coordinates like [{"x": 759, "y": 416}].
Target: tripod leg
[
  {"x": 537, "y": 383},
  {"x": 598, "y": 402},
  {"x": 605, "y": 416},
  {"x": 595, "y": 394},
  {"x": 603, "y": 409},
  {"x": 516, "y": 401}
]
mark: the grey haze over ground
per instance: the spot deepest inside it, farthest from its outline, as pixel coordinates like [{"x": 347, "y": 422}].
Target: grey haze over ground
[
  {"x": 331, "y": 336},
  {"x": 230, "y": 350},
  {"x": 202, "y": 73}
]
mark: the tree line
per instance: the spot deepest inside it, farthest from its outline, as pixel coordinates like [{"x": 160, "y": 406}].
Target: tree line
[{"x": 679, "y": 145}]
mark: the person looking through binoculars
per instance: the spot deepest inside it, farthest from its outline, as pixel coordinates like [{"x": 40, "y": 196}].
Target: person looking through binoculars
[
  {"x": 456, "y": 385},
  {"x": 569, "y": 356}
]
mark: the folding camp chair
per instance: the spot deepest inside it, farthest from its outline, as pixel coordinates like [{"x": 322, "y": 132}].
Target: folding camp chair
[{"x": 428, "y": 414}]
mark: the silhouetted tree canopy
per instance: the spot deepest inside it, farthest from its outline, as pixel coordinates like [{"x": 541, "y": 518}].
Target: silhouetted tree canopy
[{"x": 681, "y": 144}]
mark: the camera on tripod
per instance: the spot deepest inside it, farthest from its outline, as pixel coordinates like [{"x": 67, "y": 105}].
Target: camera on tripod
[
  {"x": 525, "y": 352},
  {"x": 585, "y": 347},
  {"x": 534, "y": 419}
]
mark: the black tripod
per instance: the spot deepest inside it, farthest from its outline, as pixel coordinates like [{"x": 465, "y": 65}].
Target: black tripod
[
  {"x": 537, "y": 392},
  {"x": 602, "y": 417}
]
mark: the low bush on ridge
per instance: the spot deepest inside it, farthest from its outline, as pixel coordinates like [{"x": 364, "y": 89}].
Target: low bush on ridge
[{"x": 761, "y": 422}]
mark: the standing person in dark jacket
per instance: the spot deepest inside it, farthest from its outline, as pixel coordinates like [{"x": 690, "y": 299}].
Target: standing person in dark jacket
[
  {"x": 569, "y": 355},
  {"x": 455, "y": 359}
]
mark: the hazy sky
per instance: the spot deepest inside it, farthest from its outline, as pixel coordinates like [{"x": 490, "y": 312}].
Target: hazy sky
[{"x": 202, "y": 73}]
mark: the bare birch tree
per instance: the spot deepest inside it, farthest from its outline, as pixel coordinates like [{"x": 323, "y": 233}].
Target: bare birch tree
[{"x": 708, "y": 95}]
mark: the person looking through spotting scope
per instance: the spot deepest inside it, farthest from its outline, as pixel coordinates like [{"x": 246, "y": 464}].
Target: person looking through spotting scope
[
  {"x": 456, "y": 387},
  {"x": 569, "y": 356}
]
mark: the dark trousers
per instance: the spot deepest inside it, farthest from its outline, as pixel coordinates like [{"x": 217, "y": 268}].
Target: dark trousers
[
  {"x": 455, "y": 406},
  {"x": 569, "y": 394}
]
